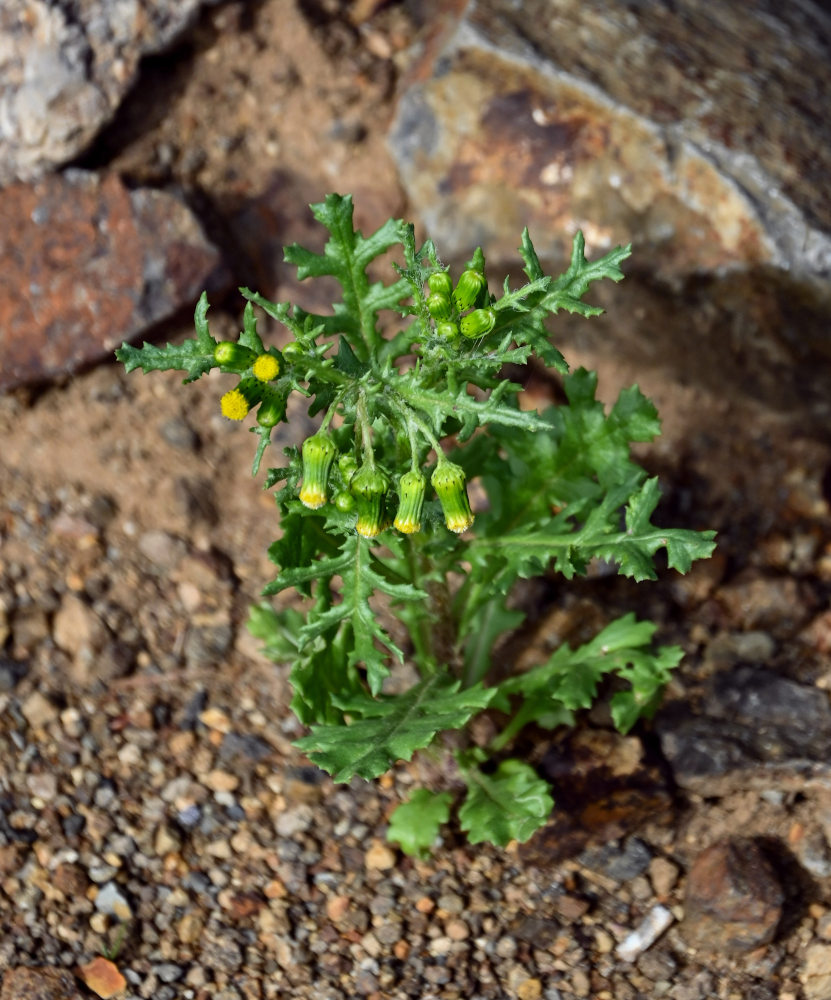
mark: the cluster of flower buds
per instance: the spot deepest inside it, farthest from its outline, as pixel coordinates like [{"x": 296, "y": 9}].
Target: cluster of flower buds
[
  {"x": 463, "y": 309},
  {"x": 368, "y": 488},
  {"x": 252, "y": 389}
]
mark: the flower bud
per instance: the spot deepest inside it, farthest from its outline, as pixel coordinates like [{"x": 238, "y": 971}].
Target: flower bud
[
  {"x": 230, "y": 354},
  {"x": 369, "y": 487},
  {"x": 448, "y": 480},
  {"x": 293, "y": 351},
  {"x": 236, "y": 404},
  {"x": 469, "y": 288},
  {"x": 411, "y": 488},
  {"x": 344, "y": 502},
  {"x": 272, "y": 409},
  {"x": 438, "y": 305},
  {"x": 348, "y": 466},
  {"x": 265, "y": 368},
  {"x": 440, "y": 283},
  {"x": 318, "y": 454},
  {"x": 477, "y": 323},
  {"x": 447, "y": 330}
]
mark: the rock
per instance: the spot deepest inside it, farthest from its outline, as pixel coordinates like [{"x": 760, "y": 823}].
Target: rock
[
  {"x": 648, "y": 931},
  {"x": 616, "y": 862},
  {"x": 569, "y": 114},
  {"x": 38, "y": 711},
  {"x": 102, "y": 977},
  {"x": 76, "y": 627},
  {"x": 733, "y": 898},
  {"x": 753, "y": 729},
  {"x": 39, "y": 984},
  {"x": 86, "y": 263},
  {"x": 64, "y": 72},
  {"x": 111, "y": 902},
  {"x": 816, "y": 971}
]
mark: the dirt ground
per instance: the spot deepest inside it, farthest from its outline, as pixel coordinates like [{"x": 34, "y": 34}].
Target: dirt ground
[{"x": 133, "y": 539}]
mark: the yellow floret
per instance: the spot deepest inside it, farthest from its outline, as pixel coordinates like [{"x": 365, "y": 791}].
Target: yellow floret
[
  {"x": 312, "y": 496},
  {"x": 266, "y": 368},
  {"x": 234, "y": 405}
]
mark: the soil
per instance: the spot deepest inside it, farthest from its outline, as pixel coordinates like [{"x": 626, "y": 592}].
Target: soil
[{"x": 147, "y": 741}]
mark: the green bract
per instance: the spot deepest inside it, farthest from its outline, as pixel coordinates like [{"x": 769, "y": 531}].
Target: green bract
[{"x": 393, "y": 389}]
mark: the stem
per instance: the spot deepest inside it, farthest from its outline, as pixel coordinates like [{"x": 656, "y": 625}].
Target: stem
[{"x": 366, "y": 430}]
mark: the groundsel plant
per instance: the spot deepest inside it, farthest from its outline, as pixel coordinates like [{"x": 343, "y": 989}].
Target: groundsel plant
[{"x": 376, "y": 521}]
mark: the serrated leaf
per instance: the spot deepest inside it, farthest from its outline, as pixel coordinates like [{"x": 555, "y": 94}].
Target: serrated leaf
[
  {"x": 189, "y": 357},
  {"x": 510, "y": 804},
  {"x": 391, "y": 727},
  {"x": 415, "y": 824}
]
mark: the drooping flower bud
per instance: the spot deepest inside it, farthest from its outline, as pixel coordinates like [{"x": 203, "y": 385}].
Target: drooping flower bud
[
  {"x": 318, "y": 454},
  {"x": 369, "y": 487},
  {"x": 236, "y": 357},
  {"x": 236, "y": 404},
  {"x": 344, "y": 501},
  {"x": 448, "y": 480},
  {"x": 265, "y": 368},
  {"x": 477, "y": 323},
  {"x": 440, "y": 283},
  {"x": 469, "y": 288},
  {"x": 411, "y": 488},
  {"x": 438, "y": 305}
]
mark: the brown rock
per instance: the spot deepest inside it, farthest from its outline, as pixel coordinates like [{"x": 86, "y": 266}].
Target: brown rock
[
  {"x": 39, "y": 984},
  {"x": 562, "y": 115},
  {"x": 733, "y": 898},
  {"x": 102, "y": 977},
  {"x": 84, "y": 264}
]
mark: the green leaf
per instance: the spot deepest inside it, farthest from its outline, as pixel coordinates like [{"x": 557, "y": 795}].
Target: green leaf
[
  {"x": 356, "y": 566},
  {"x": 345, "y": 258},
  {"x": 480, "y": 631},
  {"x": 415, "y": 823},
  {"x": 249, "y": 336},
  {"x": 510, "y": 804},
  {"x": 569, "y": 678},
  {"x": 391, "y": 727}
]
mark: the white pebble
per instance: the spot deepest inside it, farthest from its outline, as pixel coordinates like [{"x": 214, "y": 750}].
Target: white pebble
[{"x": 651, "y": 928}]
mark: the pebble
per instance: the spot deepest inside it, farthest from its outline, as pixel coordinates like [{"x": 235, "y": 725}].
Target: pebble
[
  {"x": 648, "y": 931},
  {"x": 103, "y": 977},
  {"x": 733, "y": 898},
  {"x": 38, "y": 983},
  {"x": 663, "y": 874},
  {"x": 38, "y": 711},
  {"x": 379, "y": 857},
  {"x": 112, "y": 902}
]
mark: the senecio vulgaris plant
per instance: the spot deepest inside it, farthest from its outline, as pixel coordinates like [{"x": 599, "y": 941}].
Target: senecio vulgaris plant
[{"x": 375, "y": 513}]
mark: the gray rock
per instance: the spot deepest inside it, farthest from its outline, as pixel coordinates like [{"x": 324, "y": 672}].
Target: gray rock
[
  {"x": 64, "y": 69},
  {"x": 695, "y": 130},
  {"x": 754, "y": 728}
]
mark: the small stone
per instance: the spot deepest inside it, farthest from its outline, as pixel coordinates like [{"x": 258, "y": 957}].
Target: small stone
[
  {"x": 161, "y": 549},
  {"x": 530, "y": 989},
  {"x": 221, "y": 781},
  {"x": 38, "y": 711},
  {"x": 733, "y": 899},
  {"x": 457, "y": 930},
  {"x": 42, "y": 786},
  {"x": 379, "y": 858},
  {"x": 663, "y": 875},
  {"x": 620, "y": 864},
  {"x": 111, "y": 902},
  {"x": 650, "y": 929},
  {"x": 336, "y": 907},
  {"x": 178, "y": 432},
  {"x": 39, "y": 983},
  {"x": 102, "y": 977},
  {"x": 816, "y": 972},
  {"x": 425, "y": 905},
  {"x": 70, "y": 879},
  {"x": 76, "y": 626}
]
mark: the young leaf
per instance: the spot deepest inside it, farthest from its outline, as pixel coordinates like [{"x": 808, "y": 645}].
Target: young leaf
[
  {"x": 510, "y": 804},
  {"x": 391, "y": 727},
  {"x": 415, "y": 823}
]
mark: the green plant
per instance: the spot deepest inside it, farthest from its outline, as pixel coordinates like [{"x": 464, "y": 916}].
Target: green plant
[{"x": 377, "y": 524}]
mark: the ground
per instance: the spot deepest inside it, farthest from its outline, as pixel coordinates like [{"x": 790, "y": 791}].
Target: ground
[{"x": 150, "y": 780}]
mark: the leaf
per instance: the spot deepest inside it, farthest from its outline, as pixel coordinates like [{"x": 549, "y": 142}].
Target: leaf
[
  {"x": 415, "y": 823},
  {"x": 355, "y": 565},
  {"x": 391, "y": 727},
  {"x": 569, "y": 678},
  {"x": 345, "y": 258},
  {"x": 480, "y": 631},
  {"x": 194, "y": 356},
  {"x": 510, "y": 804}
]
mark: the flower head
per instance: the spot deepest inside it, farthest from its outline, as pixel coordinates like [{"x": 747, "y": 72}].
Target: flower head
[
  {"x": 369, "y": 487},
  {"x": 266, "y": 368},
  {"x": 448, "y": 480},
  {"x": 318, "y": 454},
  {"x": 411, "y": 488}
]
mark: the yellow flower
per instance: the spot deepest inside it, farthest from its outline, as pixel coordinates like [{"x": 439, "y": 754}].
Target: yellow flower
[
  {"x": 266, "y": 368},
  {"x": 448, "y": 481},
  {"x": 234, "y": 405}
]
